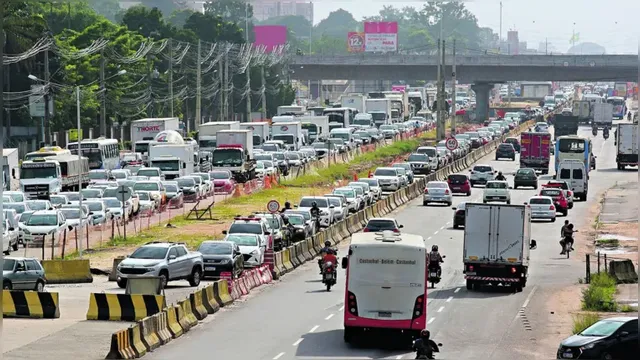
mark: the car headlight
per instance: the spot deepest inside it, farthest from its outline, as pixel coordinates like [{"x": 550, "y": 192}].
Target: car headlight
[
  {"x": 254, "y": 252},
  {"x": 155, "y": 196},
  {"x": 589, "y": 346},
  {"x": 26, "y": 231}
]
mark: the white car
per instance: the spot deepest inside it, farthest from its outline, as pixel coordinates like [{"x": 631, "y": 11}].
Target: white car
[
  {"x": 154, "y": 187},
  {"x": 74, "y": 218},
  {"x": 92, "y": 193},
  {"x": 374, "y": 186},
  {"x": 37, "y": 205},
  {"x": 389, "y": 178},
  {"x": 98, "y": 175},
  {"x": 99, "y": 212},
  {"x": 542, "y": 208},
  {"x": 326, "y": 210},
  {"x": 120, "y": 174},
  {"x": 432, "y": 153},
  {"x": 207, "y": 182},
  {"x": 366, "y": 192},
  {"x": 200, "y": 185},
  {"x": 152, "y": 173},
  {"x": 58, "y": 200},
  {"x": 72, "y": 197},
  {"x": 43, "y": 223},
  {"x": 115, "y": 207},
  {"x": 353, "y": 200},
  {"x": 437, "y": 192},
  {"x": 481, "y": 174},
  {"x": 496, "y": 190},
  {"x": 16, "y": 196},
  {"x": 265, "y": 168},
  {"x": 251, "y": 246},
  {"x": 9, "y": 237},
  {"x": 147, "y": 204},
  {"x": 339, "y": 206},
  {"x": 251, "y": 225}
]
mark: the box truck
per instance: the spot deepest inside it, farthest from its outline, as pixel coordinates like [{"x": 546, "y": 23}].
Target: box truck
[
  {"x": 290, "y": 133},
  {"x": 10, "y": 164},
  {"x": 234, "y": 152},
  {"x": 208, "y": 131},
  {"x": 260, "y": 132},
  {"x": 602, "y": 114},
  {"x": 626, "y": 142},
  {"x": 317, "y": 127},
  {"x": 534, "y": 151},
  {"x": 380, "y": 109},
  {"x": 143, "y": 132},
  {"x": 355, "y": 101},
  {"x": 175, "y": 160}
]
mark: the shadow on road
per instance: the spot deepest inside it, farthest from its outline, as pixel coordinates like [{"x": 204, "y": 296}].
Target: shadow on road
[
  {"x": 485, "y": 292},
  {"x": 374, "y": 346}
]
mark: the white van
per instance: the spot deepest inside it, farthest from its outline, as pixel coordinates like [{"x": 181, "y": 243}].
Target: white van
[
  {"x": 573, "y": 172},
  {"x": 386, "y": 284},
  {"x": 345, "y": 134},
  {"x": 363, "y": 120}
]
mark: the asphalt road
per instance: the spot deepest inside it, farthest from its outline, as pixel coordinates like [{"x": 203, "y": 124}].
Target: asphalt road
[{"x": 297, "y": 319}]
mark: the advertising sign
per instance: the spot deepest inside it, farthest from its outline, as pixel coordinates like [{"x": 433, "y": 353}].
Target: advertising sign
[
  {"x": 381, "y": 36},
  {"x": 355, "y": 42},
  {"x": 270, "y": 36},
  {"x": 401, "y": 88}
]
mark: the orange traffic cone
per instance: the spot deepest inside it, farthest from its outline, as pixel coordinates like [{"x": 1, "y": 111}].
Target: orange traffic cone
[
  {"x": 267, "y": 182},
  {"x": 370, "y": 174},
  {"x": 236, "y": 192},
  {"x": 355, "y": 177}
]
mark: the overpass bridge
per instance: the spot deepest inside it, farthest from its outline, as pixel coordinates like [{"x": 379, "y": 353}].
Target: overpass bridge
[{"x": 469, "y": 69}]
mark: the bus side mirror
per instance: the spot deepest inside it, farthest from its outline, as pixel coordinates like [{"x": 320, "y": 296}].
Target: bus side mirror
[
  {"x": 345, "y": 262},
  {"x": 13, "y": 173}
]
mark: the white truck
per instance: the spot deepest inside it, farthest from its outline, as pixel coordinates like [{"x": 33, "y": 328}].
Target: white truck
[
  {"x": 626, "y": 142},
  {"x": 291, "y": 110},
  {"x": 10, "y": 164},
  {"x": 399, "y": 101},
  {"x": 356, "y": 101},
  {"x": 234, "y": 152},
  {"x": 143, "y": 132},
  {"x": 602, "y": 114},
  {"x": 317, "y": 127},
  {"x": 207, "y": 132},
  {"x": 260, "y": 131},
  {"x": 290, "y": 133},
  {"x": 40, "y": 178},
  {"x": 497, "y": 243},
  {"x": 380, "y": 110},
  {"x": 175, "y": 160}
]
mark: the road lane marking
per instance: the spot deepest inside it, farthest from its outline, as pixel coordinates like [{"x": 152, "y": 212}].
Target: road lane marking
[
  {"x": 458, "y": 289},
  {"x": 341, "y": 308},
  {"x": 431, "y": 320},
  {"x": 329, "y": 317},
  {"x": 436, "y": 232},
  {"x": 441, "y": 308},
  {"x": 450, "y": 298},
  {"x": 298, "y": 342},
  {"x": 442, "y": 228},
  {"x": 429, "y": 238},
  {"x": 314, "y": 328},
  {"x": 278, "y": 356},
  {"x": 526, "y": 302},
  {"x": 399, "y": 357}
]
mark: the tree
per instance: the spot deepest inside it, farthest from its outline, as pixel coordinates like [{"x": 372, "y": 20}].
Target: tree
[
  {"x": 457, "y": 23},
  {"x": 106, "y": 8},
  {"x": 298, "y": 25},
  {"x": 166, "y": 7},
  {"x": 337, "y": 25},
  {"x": 213, "y": 28},
  {"x": 237, "y": 11},
  {"x": 148, "y": 22},
  {"x": 179, "y": 17}
]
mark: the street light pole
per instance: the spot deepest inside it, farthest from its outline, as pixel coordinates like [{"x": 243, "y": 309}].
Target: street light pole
[{"x": 80, "y": 162}]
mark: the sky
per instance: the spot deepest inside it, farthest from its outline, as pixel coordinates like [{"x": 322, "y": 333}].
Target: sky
[{"x": 614, "y": 27}]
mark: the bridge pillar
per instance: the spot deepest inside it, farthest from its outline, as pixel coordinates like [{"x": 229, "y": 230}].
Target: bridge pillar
[{"x": 483, "y": 92}]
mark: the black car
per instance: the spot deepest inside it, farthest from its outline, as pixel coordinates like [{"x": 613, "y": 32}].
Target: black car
[
  {"x": 525, "y": 177},
  {"x": 221, "y": 256},
  {"x": 459, "y": 215},
  {"x": 506, "y": 150},
  {"x": 612, "y": 338},
  {"x": 513, "y": 141},
  {"x": 419, "y": 164}
]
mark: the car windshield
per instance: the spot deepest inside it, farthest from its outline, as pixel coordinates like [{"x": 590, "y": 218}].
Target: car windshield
[
  {"x": 525, "y": 172},
  {"x": 346, "y": 192},
  {"x": 293, "y": 156},
  {"x": 305, "y": 214},
  {"x": 18, "y": 207},
  {"x": 8, "y": 265},
  {"x": 57, "y": 200},
  {"x": 418, "y": 158},
  {"x": 457, "y": 178},
  {"x": 539, "y": 201},
  {"x": 481, "y": 168},
  {"x": 259, "y": 165},
  {"x": 215, "y": 248},
  {"x": 385, "y": 172},
  {"x": 309, "y": 201},
  {"x": 334, "y": 201},
  {"x": 270, "y": 147},
  {"x": 404, "y": 166},
  {"x": 94, "y": 206},
  {"x": 170, "y": 188},
  {"x": 401, "y": 169},
  {"x": 246, "y": 228},
  {"x": 296, "y": 219},
  {"x": 71, "y": 213},
  {"x": 98, "y": 175},
  {"x": 148, "y": 172},
  {"x": 380, "y": 225},
  {"x": 320, "y": 146},
  {"x": 243, "y": 240},
  {"x": 144, "y": 196},
  {"x": 186, "y": 182},
  {"x": 149, "y": 252},
  {"x": 112, "y": 203},
  {"x": 387, "y": 127},
  {"x": 278, "y": 156},
  {"x": 43, "y": 220},
  {"x": 146, "y": 186},
  {"x": 273, "y": 221},
  {"x": 437, "y": 185},
  {"x": 119, "y": 174},
  {"x": 505, "y": 146},
  {"x": 371, "y": 182},
  {"x": 17, "y": 197},
  {"x": 37, "y": 205},
  {"x": 602, "y": 328},
  {"x": 220, "y": 175},
  {"x": 73, "y": 196},
  {"x": 128, "y": 183},
  {"x": 496, "y": 185},
  {"x": 91, "y": 193}
]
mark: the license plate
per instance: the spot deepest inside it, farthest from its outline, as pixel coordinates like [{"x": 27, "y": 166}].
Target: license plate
[
  {"x": 457, "y": 188},
  {"x": 329, "y": 276},
  {"x": 384, "y": 314},
  {"x": 212, "y": 268},
  {"x": 567, "y": 355},
  {"x": 470, "y": 273},
  {"x": 433, "y": 274}
]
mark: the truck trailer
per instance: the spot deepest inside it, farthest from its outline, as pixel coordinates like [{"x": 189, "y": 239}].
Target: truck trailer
[
  {"x": 143, "y": 132},
  {"x": 534, "y": 151},
  {"x": 626, "y": 142},
  {"x": 234, "y": 152},
  {"x": 207, "y": 132}
]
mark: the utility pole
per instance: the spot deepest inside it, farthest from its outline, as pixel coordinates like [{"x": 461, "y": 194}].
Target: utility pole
[
  {"x": 152, "y": 106},
  {"x": 196, "y": 123},
  {"x": 222, "y": 89},
  {"x": 546, "y": 46},
  {"x": 171, "y": 76},
  {"x": 47, "y": 96},
  {"x": 454, "y": 91},
  {"x": 263, "y": 96},
  {"x": 444, "y": 115},
  {"x": 246, "y": 32},
  {"x": 500, "y": 38},
  {"x": 2, "y": 219},
  {"x": 226, "y": 86},
  {"x": 438, "y": 94},
  {"x": 103, "y": 111}
]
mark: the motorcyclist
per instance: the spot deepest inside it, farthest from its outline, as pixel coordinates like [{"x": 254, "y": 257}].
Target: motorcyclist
[
  {"x": 287, "y": 206},
  {"x": 629, "y": 116},
  {"x": 501, "y": 177},
  {"x": 326, "y": 249},
  {"x": 435, "y": 259},
  {"x": 330, "y": 256},
  {"x": 594, "y": 129},
  {"x": 424, "y": 346},
  {"x": 315, "y": 213},
  {"x": 567, "y": 235},
  {"x": 605, "y": 132}
]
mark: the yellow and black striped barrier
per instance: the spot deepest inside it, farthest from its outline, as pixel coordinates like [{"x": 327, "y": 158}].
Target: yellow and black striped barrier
[
  {"x": 123, "y": 307},
  {"x": 30, "y": 304}
]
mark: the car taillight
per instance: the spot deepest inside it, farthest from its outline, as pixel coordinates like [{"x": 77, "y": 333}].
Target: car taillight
[
  {"x": 552, "y": 207},
  {"x": 352, "y": 304},
  {"x": 470, "y": 267},
  {"x": 513, "y": 270},
  {"x": 426, "y": 191},
  {"x": 569, "y": 193},
  {"x": 446, "y": 192},
  {"x": 418, "y": 307},
  {"x": 366, "y": 230},
  {"x": 396, "y": 230}
]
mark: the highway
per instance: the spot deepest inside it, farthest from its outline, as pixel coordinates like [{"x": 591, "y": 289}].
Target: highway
[{"x": 297, "y": 319}]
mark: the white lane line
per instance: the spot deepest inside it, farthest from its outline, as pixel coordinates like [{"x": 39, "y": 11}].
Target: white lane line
[
  {"x": 298, "y": 342},
  {"x": 399, "y": 357},
  {"x": 430, "y": 320},
  {"x": 341, "y": 308},
  {"x": 441, "y": 308},
  {"x": 278, "y": 356},
  {"x": 329, "y": 317},
  {"x": 457, "y": 289},
  {"x": 442, "y": 228},
  {"x": 436, "y": 232},
  {"x": 429, "y": 238},
  {"x": 450, "y": 298},
  {"x": 314, "y": 328},
  {"x": 526, "y": 302}
]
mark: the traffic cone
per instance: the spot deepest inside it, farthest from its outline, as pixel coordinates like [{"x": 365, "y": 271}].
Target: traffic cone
[
  {"x": 355, "y": 177},
  {"x": 370, "y": 174},
  {"x": 236, "y": 192},
  {"x": 267, "y": 182}
]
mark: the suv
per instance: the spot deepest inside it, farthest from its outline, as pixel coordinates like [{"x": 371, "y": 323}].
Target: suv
[
  {"x": 167, "y": 260},
  {"x": 506, "y": 150},
  {"x": 44, "y": 223},
  {"x": 252, "y": 225},
  {"x": 19, "y": 273},
  {"x": 480, "y": 174}
]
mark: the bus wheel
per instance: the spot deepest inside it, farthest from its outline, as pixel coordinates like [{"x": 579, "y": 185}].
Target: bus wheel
[{"x": 348, "y": 334}]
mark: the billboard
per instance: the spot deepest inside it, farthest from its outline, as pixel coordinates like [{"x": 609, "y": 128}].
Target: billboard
[
  {"x": 381, "y": 36},
  {"x": 270, "y": 36},
  {"x": 401, "y": 88},
  {"x": 355, "y": 42}
]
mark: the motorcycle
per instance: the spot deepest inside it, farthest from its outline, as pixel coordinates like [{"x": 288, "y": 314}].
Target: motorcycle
[
  {"x": 594, "y": 131},
  {"x": 605, "y": 134},
  {"x": 567, "y": 246},
  {"x": 425, "y": 356},
  {"x": 435, "y": 273},
  {"x": 328, "y": 275}
]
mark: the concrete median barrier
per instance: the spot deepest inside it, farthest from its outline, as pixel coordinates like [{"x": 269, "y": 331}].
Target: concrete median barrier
[
  {"x": 197, "y": 304},
  {"x": 123, "y": 307},
  {"x": 164, "y": 335},
  {"x": 293, "y": 256},
  {"x": 224, "y": 292},
  {"x": 306, "y": 246},
  {"x": 286, "y": 260},
  {"x": 623, "y": 271},
  {"x": 150, "y": 337},
  {"x": 216, "y": 294},
  {"x": 30, "y": 304},
  {"x": 300, "y": 253},
  {"x": 317, "y": 246},
  {"x": 67, "y": 271},
  {"x": 121, "y": 347},
  {"x": 113, "y": 275},
  {"x": 175, "y": 328},
  {"x": 186, "y": 317},
  {"x": 277, "y": 264},
  {"x": 136, "y": 341}
]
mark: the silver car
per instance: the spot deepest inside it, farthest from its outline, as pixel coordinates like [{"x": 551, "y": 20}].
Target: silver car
[
  {"x": 437, "y": 192},
  {"x": 542, "y": 208}
]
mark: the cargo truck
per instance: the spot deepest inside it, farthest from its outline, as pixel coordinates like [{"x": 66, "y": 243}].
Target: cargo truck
[
  {"x": 175, "y": 160},
  {"x": 143, "y": 132},
  {"x": 207, "y": 132},
  {"x": 40, "y": 178},
  {"x": 497, "y": 243},
  {"x": 291, "y": 110},
  {"x": 10, "y": 164},
  {"x": 356, "y": 101},
  {"x": 234, "y": 152},
  {"x": 290, "y": 133},
  {"x": 534, "y": 151},
  {"x": 565, "y": 125},
  {"x": 260, "y": 132},
  {"x": 380, "y": 110},
  {"x": 626, "y": 142},
  {"x": 602, "y": 114},
  {"x": 582, "y": 109},
  {"x": 317, "y": 127}
]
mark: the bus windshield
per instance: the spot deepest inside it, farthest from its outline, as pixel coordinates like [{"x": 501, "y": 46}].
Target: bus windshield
[{"x": 576, "y": 146}]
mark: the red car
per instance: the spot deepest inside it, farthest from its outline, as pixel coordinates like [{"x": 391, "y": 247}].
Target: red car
[
  {"x": 561, "y": 184},
  {"x": 223, "y": 181},
  {"x": 559, "y": 200},
  {"x": 459, "y": 184}
]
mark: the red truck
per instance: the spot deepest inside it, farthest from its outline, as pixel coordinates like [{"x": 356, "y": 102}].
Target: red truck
[{"x": 534, "y": 151}]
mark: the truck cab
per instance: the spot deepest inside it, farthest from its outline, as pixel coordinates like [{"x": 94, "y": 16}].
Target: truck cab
[
  {"x": 40, "y": 177},
  {"x": 235, "y": 153}
]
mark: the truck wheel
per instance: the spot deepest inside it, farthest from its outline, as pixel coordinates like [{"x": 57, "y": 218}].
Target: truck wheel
[
  {"x": 518, "y": 287},
  {"x": 122, "y": 283},
  {"x": 470, "y": 285},
  {"x": 348, "y": 334},
  {"x": 196, "y": 276}
]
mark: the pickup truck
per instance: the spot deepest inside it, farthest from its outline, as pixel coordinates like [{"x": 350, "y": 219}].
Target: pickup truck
[{"x": 167, "y": 260}]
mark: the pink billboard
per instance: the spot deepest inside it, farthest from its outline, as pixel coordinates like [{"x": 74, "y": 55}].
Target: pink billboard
[
  {"x": 270, "y": 36},
  {"x": 381, "y": 36}
]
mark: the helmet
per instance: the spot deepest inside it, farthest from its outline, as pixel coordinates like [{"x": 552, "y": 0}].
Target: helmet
[
  {"x": 314, "y": 204},
  {"x": 434, "y": 248},
  {"x": 425, "y": 334},
  {"x": 327, "y": 243},
  {"x": 499, "y": 172},
  {"x": 287, "y": 204}
]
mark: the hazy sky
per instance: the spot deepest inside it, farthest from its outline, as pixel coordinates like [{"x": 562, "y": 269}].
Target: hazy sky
[{"x": 612, "y": 24}]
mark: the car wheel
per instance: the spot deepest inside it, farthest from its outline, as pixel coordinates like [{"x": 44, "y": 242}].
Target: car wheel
[
  {"x": 425, "y": 203},
  {"x": 196, "y": 276},
  {"x": 508, "y": 202},
  {"x": 553, "y": 219},
  {"x": 455, "y": 226},
  {"x": 606, "y": 356},
  {"x": 564, "y": 212},
  {"x": 7, "y": 285},
  {"x": 122, "y": 283},
  {"x": 515, "y": 186},
  {"x": 15, "y": 246},
  {"x": 39, "y": 286}
]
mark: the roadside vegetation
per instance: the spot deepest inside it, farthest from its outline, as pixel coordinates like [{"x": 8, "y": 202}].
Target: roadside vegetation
[
  {"x": 599, "y": 295},
  {"x": 583, "y": 321}
]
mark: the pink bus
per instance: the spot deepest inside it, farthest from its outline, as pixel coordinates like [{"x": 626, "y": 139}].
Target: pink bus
[{"x": 386, "y": 284}]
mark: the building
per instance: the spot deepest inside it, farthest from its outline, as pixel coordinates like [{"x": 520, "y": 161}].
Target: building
[
  {"x": 265, "y": 9},
  {"x": 513, "y": 43}
]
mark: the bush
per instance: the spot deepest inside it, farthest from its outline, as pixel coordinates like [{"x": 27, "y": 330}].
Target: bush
[
  {"x": 583, "y": 321},
  {"x": 599, "y": 296}
]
